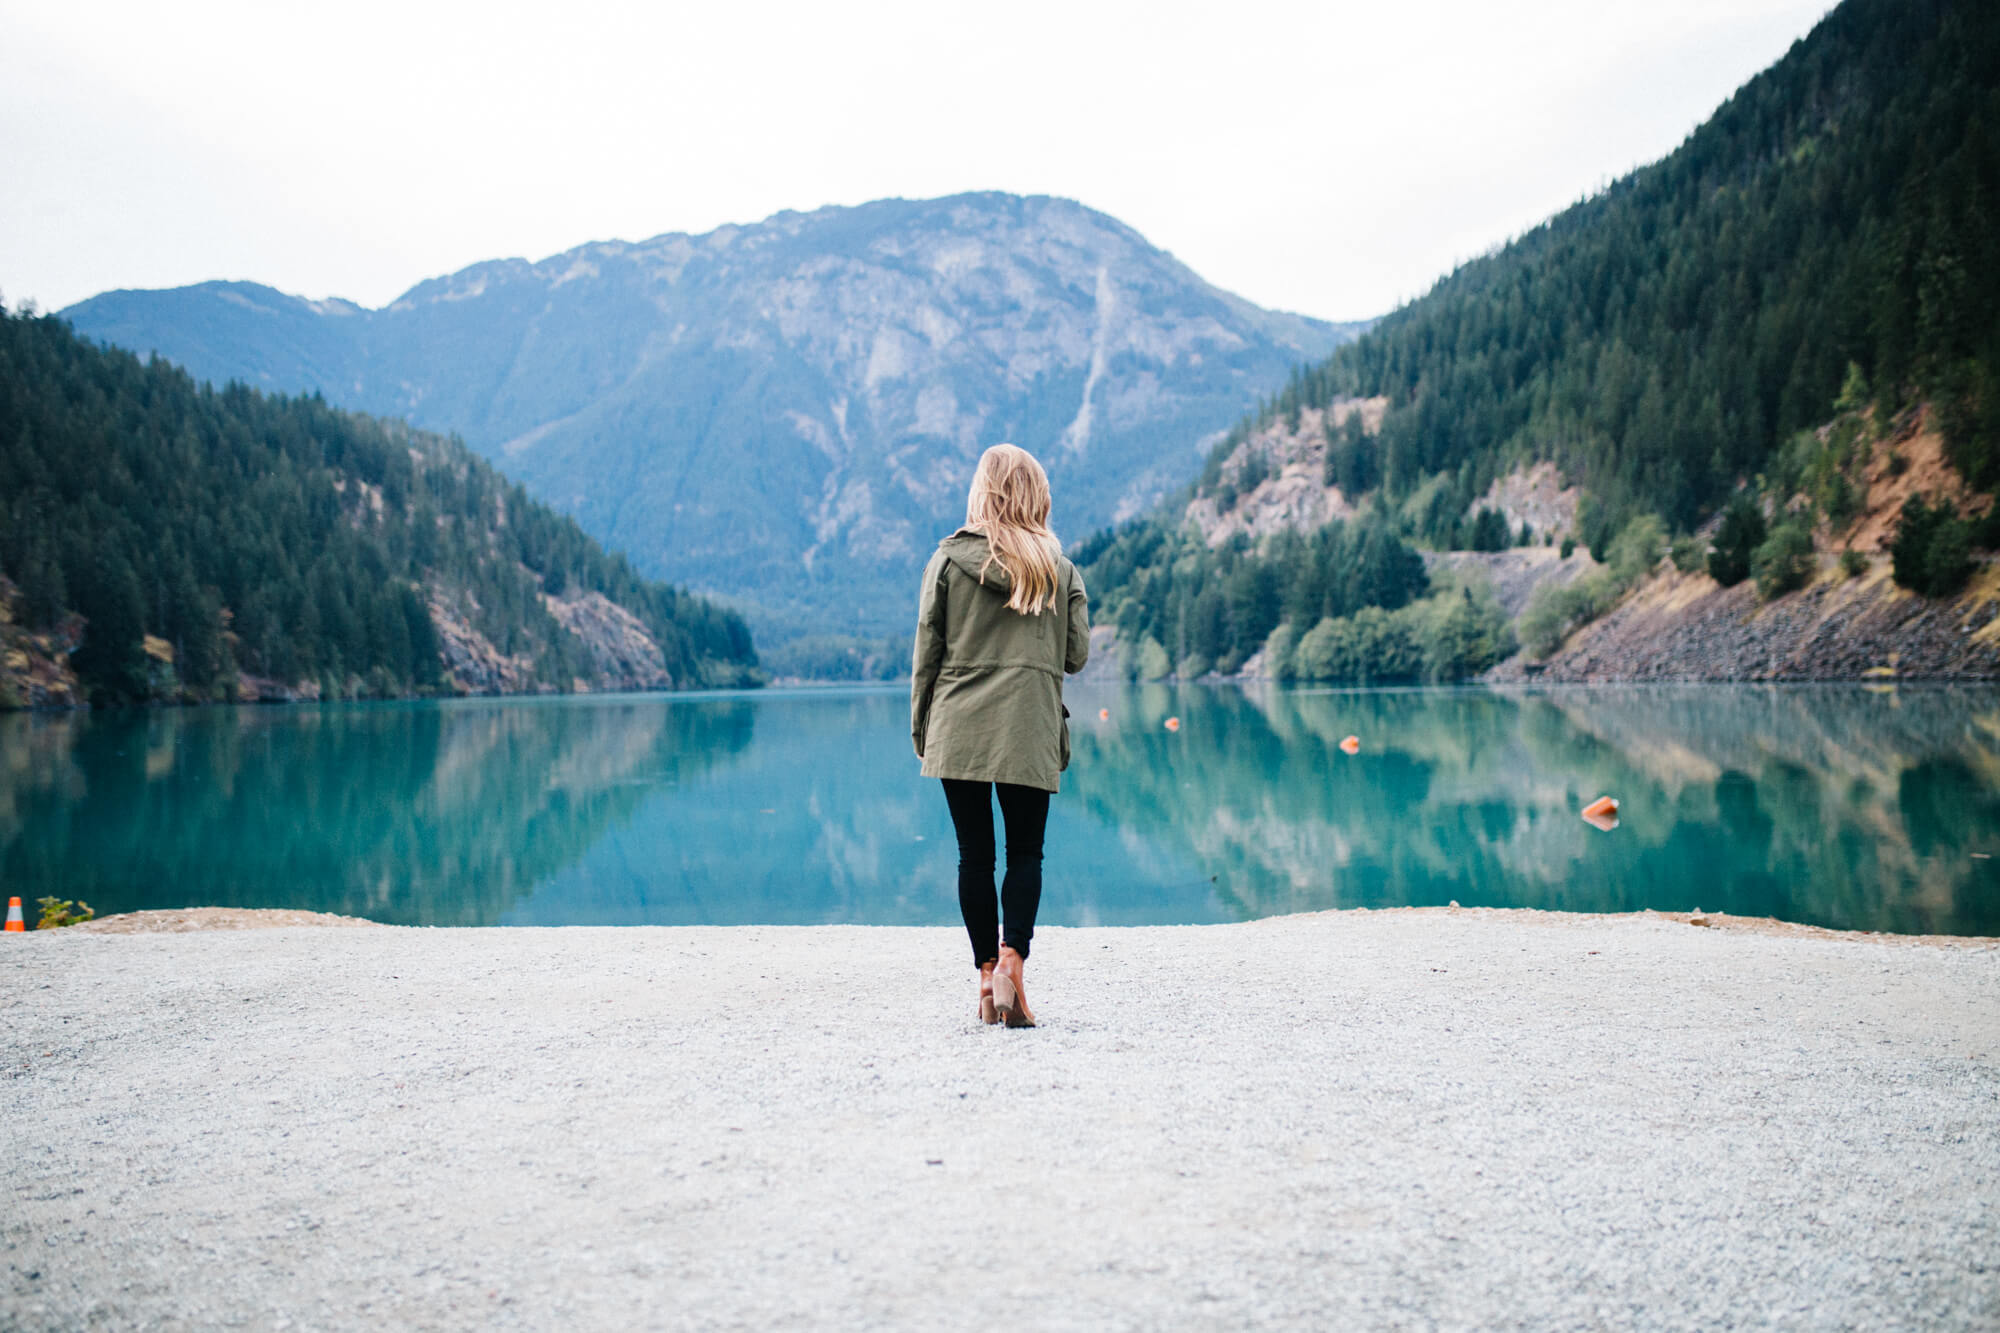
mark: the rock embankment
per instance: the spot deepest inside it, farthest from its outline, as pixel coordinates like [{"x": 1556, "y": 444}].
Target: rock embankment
[{"x": 1686, "y": 627}]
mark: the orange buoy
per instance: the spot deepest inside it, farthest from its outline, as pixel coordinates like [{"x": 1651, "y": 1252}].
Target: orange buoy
[
  {"x": 14, "y": 921},
  {"x": 1104, "y": 715},
  {"x": 1600, "y": 808},
  {"x": 1351, "y": 744},
  {"x": 1602, "y": 823},
  {"x": 1173, "y": 724}
]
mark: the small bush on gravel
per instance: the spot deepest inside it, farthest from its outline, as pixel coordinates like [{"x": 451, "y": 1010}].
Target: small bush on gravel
[
  {"x": 62, "y": 912},
  {"x": 1853, "y": 563},
  {"x": 1687, "y": 554}
]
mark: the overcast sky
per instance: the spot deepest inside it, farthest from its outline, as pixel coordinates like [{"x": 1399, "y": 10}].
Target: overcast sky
[{"x": 1329, "y": 158}]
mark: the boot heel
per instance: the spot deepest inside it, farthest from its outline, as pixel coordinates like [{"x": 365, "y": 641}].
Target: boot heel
[{"x": 1006, "y": 1000}]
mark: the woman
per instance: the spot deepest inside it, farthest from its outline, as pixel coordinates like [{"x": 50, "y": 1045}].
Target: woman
[{"x": 1001, "y": 617}]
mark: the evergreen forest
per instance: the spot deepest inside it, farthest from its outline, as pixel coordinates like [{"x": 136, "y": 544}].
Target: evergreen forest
[
  {"x": 199, "y": 533},
  {"x": 1824, "y": 244}
]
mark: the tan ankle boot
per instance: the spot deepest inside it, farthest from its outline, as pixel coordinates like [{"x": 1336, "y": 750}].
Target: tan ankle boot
[
  {"x": 1008, "y": 995},
  {"x": 987, "y": 1013}
]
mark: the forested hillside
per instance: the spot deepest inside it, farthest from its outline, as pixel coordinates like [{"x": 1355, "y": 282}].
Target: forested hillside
[
  {"x": 182, "y": 542},
  {"x": 1823, "y": 247}
]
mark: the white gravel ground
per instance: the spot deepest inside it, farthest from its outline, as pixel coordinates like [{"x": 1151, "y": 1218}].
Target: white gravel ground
[{"x": 1351, "y": 1120}]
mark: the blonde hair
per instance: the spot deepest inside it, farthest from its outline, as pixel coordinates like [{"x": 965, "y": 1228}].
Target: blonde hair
[{"x": 1009, "y": 505}]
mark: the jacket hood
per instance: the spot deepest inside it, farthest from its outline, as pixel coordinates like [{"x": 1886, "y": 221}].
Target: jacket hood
[{"x": 969, "y": 551}]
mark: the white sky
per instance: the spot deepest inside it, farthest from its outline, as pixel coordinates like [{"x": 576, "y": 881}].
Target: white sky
[{"x": 1330, "y": 158}]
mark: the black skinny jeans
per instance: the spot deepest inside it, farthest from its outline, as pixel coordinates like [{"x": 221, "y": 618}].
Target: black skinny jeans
[{"x": 1026, "y": 810}]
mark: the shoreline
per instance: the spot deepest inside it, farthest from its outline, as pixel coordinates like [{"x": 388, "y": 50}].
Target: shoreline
[
  {"x": 1525, "y": 683},
  {"x": 184, "y": 920}
]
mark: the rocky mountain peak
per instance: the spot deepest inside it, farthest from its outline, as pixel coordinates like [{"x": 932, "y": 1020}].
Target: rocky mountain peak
[{"x": 787, "y": 412}]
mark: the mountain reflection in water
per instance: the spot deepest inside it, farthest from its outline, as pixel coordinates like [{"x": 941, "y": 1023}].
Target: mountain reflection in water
[{"x": 1836, "y": 806}]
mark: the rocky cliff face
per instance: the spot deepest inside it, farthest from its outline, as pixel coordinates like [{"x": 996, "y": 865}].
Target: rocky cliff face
[
  {"x": 619, "y": 652},
  {"x": 1275, "y": 480},
  {"x": 787, "y": 412},
  {"x": 622, "y": 653}
]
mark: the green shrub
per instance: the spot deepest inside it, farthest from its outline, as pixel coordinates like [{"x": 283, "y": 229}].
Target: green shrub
[
  {"x": 1463, "y": 633},
  {"x": 1278, "y": 651},
  {"x": 1853, "y": 563},
  {"x": 1741, "y": 533},
  {"x": 1372, "y": 646},
  {"x": 61, "y": 912},
  {"x": 1932, "y": 550},
  {"x": 1784, "y": 560},
  {"x": 1568, "y": 547},
  {"x": 1687, "y": 554},
  {"x": 1386, "y": 646},
  {"x": 1555, "y": 612},
  {"x": 1149, "y": 662},
  {"x": 1327, "y": 651},
  {"x": 1637, "y": 548}
]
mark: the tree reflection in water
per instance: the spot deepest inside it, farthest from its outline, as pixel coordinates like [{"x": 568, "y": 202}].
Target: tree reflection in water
[
  {"x": 419, "y": 814},
  {"x": 1831, "y": 805}
]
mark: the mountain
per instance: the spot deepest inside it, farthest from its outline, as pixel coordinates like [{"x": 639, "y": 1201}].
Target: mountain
[
  {"x": 161, "y": 540},
  {"x": 1794, "y": 316},
  {"x": 786, "y": 412}
]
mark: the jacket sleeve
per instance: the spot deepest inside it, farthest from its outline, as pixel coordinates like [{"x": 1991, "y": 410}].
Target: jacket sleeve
[
  {"x": 1077, "y": 650},
  {"x": 927, "y": 658}
]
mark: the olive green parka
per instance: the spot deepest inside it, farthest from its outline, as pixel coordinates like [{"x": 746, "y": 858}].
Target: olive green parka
[{"x": 985, "y": 680}]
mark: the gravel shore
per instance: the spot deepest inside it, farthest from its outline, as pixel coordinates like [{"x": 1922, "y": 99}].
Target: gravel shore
[{"x": 1395, "y": 1119}]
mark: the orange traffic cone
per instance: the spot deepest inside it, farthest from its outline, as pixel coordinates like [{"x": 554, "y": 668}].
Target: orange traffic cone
[
  {"x": 14, "y": 921},
  {"x": 1173, "y": 724},
  {"x": 1351, "y": 745}
]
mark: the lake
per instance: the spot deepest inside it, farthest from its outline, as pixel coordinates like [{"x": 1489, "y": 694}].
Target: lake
[{"x": 1838, "y": 806}]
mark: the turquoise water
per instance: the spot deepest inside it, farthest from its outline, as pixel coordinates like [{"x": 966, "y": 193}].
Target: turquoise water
[{"x": 1831, "y": 805}]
